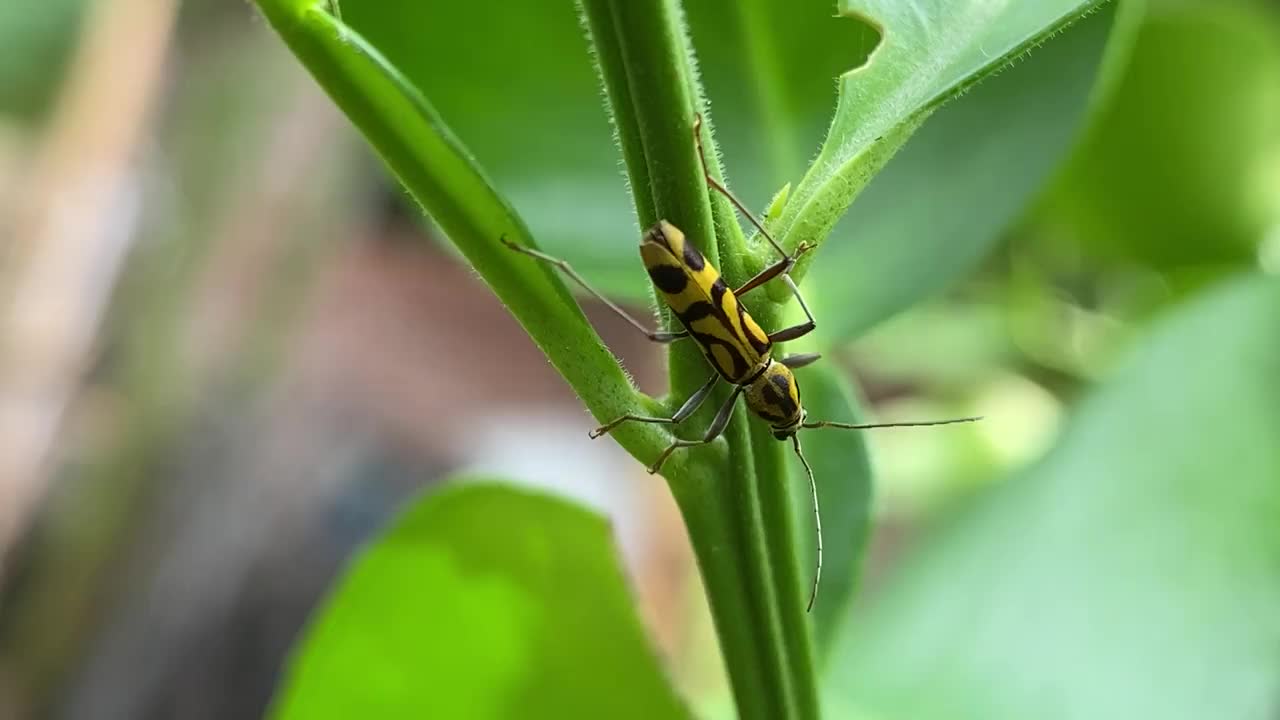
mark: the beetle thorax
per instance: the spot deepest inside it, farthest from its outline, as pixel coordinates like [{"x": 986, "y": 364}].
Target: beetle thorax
[{"x": 775, "y": 397}]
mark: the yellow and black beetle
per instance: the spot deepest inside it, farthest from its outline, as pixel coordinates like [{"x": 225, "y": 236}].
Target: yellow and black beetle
[{"x": 736, "y": 347}]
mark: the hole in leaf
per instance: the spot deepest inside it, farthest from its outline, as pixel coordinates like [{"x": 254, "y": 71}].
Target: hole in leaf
[{"x": 864, "y": 36}]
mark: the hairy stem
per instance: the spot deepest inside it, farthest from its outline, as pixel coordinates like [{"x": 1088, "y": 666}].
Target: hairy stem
[
  {"x": 647, "y": 70},
  {"x": 441, "y": 174}
]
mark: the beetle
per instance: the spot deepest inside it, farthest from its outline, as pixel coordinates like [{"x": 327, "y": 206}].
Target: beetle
[{"x": 739, "y": 351}]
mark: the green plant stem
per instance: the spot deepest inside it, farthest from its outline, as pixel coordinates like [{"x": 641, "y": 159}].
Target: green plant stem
[
  {"x": 438, "y": 171},
  {"x": 656, "y": 136},
  {"x": 647, "y": 69},
  {"x": 772, "y": 477}
]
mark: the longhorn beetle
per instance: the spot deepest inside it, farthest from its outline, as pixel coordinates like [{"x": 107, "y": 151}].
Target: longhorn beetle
[{"x": 737, "y": 348}]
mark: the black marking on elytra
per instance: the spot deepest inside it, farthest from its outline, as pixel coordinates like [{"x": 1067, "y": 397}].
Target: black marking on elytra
[
  {"x": 718, "y": 292},
  {"x": 718, "y": 289},
  {"x": 692, "y": 257},
  {"x": 669, "y": 278},
  {"x": 697, "y": 311},
  {"x": 761, "y": 345},
  {"x": 739, "y": 368},
  {"x": 703, "y": 309},
  {"x": 656, "y": 236}
]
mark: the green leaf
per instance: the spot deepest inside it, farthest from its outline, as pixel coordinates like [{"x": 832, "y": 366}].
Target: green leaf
[
  {"x": 931, "y": 50},
  {"x": 941, "y": 204},
  {"x": 768, "y": 68},
  {"x": 482, "y": 601},
  {"x": 1199, "y": 187},
  {"x": 842, "y": 472},
  {"x": 1134, "y": 573}
]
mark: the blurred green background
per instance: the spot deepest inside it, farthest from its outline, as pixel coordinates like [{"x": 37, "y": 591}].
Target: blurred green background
[{"x": 230, "y": 351}]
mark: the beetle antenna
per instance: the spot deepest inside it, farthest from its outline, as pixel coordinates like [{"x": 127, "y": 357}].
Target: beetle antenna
[
  {"x": 817, "y": 521},
  {"x": 813, "y": 486},
  {"x": 869, "y": 426}
]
